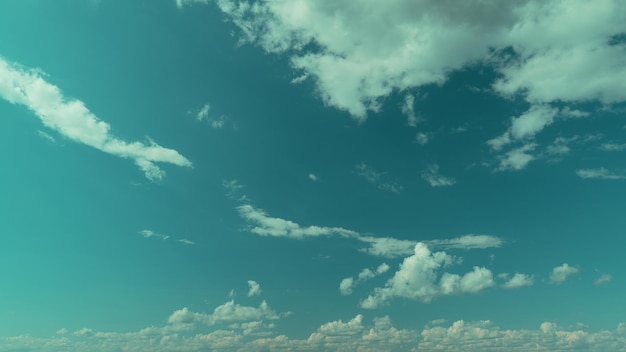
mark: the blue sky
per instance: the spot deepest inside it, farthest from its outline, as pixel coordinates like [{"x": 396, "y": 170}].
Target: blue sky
[{"x": 228, "y": 175}]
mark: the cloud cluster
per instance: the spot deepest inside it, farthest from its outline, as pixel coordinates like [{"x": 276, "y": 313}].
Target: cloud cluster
[
  {"x": 355, "y": 334},
  {"x": 346, "y": 285},
  {"x": 421, "y": 277},
  {"x": 357, "y": 59},
  {"x": 73, "y": 120},
  {"x": 432, "y": 176}
]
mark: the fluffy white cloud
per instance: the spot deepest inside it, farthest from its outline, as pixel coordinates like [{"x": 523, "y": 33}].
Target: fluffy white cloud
[
  {"x": 526, "y": 125},
  {"x": 562, "y": 50},
  {"x": 518, "y": 280},
  {"x": 517, "y": 159},
  {"x": 254, "y": 288},
  {"x": 73, "y": 120},
  {"x": 560, "y": 273},
  {"x": 356, "y": 334},
  {"x": 346, "y": 285},
  {"x": 432, "y": 176},
  {"x": 600, "y": 173},
  {"x": 418, "y": 278},
  {"x": 226, "y": 313}
]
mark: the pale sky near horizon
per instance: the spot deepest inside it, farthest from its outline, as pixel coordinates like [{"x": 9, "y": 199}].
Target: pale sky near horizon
[{"x": 226, "y": 175}]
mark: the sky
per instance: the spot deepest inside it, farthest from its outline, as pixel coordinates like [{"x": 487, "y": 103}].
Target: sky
[{"x": 312, "y": 175}]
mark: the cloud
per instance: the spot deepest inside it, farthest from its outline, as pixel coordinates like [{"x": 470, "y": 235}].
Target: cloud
[
  {"x": 518, "y": 280},
  {"x": 255, "y": 288},
  {"x": 184, "y": 319},
  {"x": 377, "y": 178},
  {"x": 418, "y": 277},
  {"x": 432, "y": 176},
  {"x": 189, "y": 331},
  {"x": 517, "y": 159},
  {"x": 526, "y": 125},
  {"x": 560, "y": 273},
  {"x": 603, "y": 279},
  {"x": 46, "y": 136},
  {"x": 468, "y": 242},
  {"x": 313, "y": 177},
  {"x": 346, "y": 285},
  {"x": 600, "y": 173},
  {"x": 357, "y": 60},
  {"x": 73, "y": 120},
  {"x": 181, "y": 3},
  {"x": 150, "y": 233},
  {"x": 612, "y": 147},
  {"x": 186, "y": 241},
  {"x": 422, "y": 138},
  {"x": 408, "y": 110},
  {"x": 277, "y": 227},
  {"x": 203, "y": 113}
]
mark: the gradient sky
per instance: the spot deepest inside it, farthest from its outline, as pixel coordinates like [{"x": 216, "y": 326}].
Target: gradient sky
[{"x": 195, "y": 175}]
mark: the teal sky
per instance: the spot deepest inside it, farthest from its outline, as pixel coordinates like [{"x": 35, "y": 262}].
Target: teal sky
[{"x": 225, "y": 175}]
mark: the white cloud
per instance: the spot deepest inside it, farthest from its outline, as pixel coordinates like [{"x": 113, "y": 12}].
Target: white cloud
[
  {"x": 150, "y": 233},
  {"x": 560, "y": 273},
  {"x": 254, "y": 288},
  {"x": 73, "y": 120},
  {"x": 604, "y": 278},
  {"x": 468, "y": 242},
  {"x": 346, "y": 285},
  {"x": 355, "y": 334},
  {"x": 185, "y": 241},
  {"x": 228, "y": 312},
  {"x": 417, "y": 278},
  {"x": 270, "y": 226},
  {"x": 46, "y": 136},
  {"x": 203, "y": 113},
  {"x": 181, "y": 3},
  {"x": 432, "y": 176},
  {"x": 600, "y": 173},
  {"x": 360, "y": 59},
  {"x": 377, "y": 178},
  {"x": 612, "y": 147},
  {"x": 313, "y": 177},
  {"x": 422, "y": 138},
  {"x": 517, "y": 159},
  {"x": 408, "y": 109},
  {"x": 519, "y": 280}
]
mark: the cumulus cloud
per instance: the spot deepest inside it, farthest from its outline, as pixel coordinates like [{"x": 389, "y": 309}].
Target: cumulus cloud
[
  {"x": 600, "y": 173},
  {"x": 518, "y": 280},
  {"x": 358, "y": 59},
  {"x": 184, "y": 319},
  {"x": 421, "y": 277},
  {"x": 254, "y": 288},
  {"x": 560, "y": 273},
  {"x": 432, "y": 176},
  {"x": 72, "y": 119},
  {"x": 346, "y": 285}
]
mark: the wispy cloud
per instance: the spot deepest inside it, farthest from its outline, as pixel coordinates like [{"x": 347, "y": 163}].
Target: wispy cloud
[
  {"x": 600, "y": 173},
  {"x": 152, "y": 234},
  {"x": 613, "y": 147},
  {"x": 377, "y": 178},
  {"x": 603, "y": 279},
  {"x": 517, "y": 159},
  {"x": 313, "y": 177},
  {"x": 46, "y": 136},
  {"x": 432, "y": 176},
  {"x": 73, "y": 120}
]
